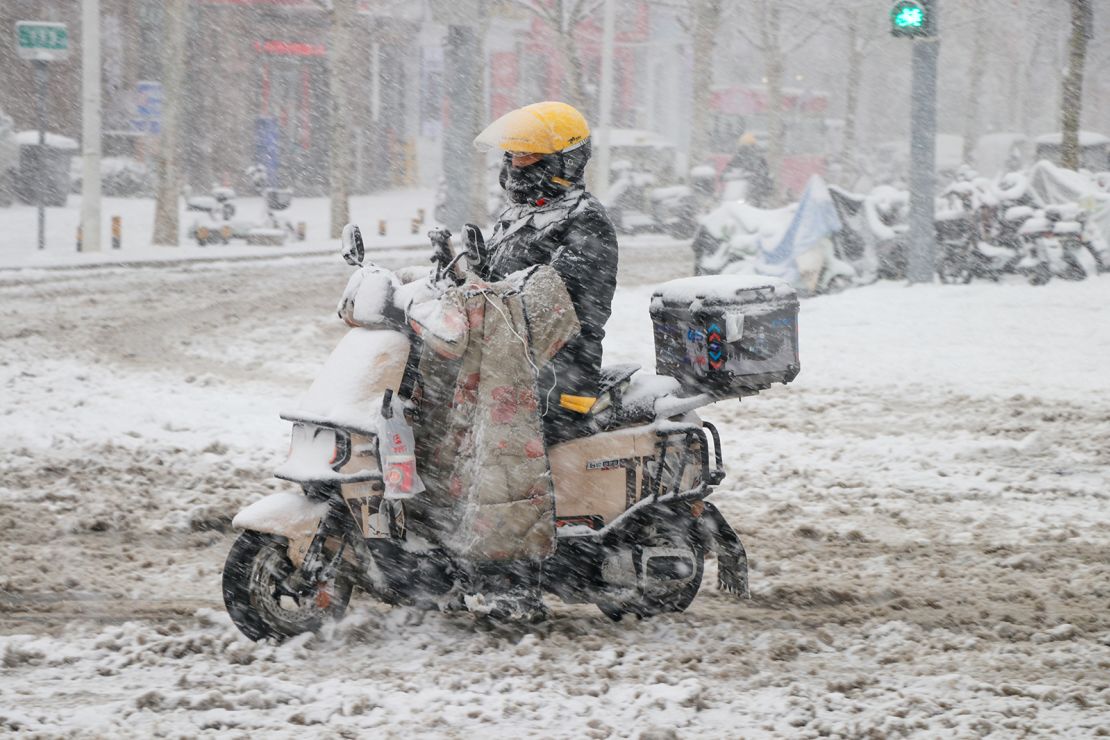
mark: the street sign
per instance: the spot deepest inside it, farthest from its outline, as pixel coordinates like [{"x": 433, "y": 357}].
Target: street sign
[
  {"x": 148, "y": 107},
  {"x": 912, "y": 19},
  {"x": 40, "y": 41}
]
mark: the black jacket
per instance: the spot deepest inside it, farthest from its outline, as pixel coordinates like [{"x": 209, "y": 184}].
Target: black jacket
[
  {"x": 750, "y": 163},
  {"x": 573, "y": 234}
]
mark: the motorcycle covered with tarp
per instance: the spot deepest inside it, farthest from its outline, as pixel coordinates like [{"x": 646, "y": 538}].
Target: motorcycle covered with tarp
[{"x": 795, "y": 243}]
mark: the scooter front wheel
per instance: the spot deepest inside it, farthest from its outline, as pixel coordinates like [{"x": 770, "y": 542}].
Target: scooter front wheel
[{"x": 257, "y": 600}]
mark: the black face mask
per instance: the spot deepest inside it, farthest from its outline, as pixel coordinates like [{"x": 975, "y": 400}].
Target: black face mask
[
  {"x": 529, "y": 184},
  {"x": 526, "y": 184}
]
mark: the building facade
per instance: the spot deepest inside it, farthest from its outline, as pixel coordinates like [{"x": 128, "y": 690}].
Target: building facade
[{"x": 257, "y": 82}]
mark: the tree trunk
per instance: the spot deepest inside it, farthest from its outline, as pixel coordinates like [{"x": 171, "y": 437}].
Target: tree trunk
[
  {"x": 572, "y": 68},
  {"x": 707, "y": 17},
  {"x": 851, "y": 97},
  {"x": 774, "y": 65},
  {"x": 463, "y": 75},
  {"x": 1071, "y": 102},
  {"x": 975, "y": 81},
  {"x": 1030, "y": 98},
  {"x": 167, "y": 163},
  {"x": 233, "y": 124},
  {"x": 339, "y": 169},
  {"x": 1014, "y": 83}
]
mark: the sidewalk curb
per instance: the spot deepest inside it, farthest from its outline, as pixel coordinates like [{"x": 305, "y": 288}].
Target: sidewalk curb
[{"x": 177, "y": 262}]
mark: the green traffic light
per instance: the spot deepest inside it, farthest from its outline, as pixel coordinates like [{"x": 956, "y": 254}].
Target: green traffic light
[{"x": 910, "y": 17}]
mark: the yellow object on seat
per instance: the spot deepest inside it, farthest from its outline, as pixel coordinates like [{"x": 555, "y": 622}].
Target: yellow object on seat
[{"x": 580, "y": 404}]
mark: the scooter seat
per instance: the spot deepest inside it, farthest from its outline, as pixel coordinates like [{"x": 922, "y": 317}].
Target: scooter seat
[
  {"x": 613, "y": 375},
  {"x": 624, "y": 400},
  {"x": 611, "y": 386}
]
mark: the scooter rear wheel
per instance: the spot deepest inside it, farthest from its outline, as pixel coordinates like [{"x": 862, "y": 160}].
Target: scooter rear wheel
[
  {"x": 674, "y": 600},
  {"x": 256, "y": 568}
]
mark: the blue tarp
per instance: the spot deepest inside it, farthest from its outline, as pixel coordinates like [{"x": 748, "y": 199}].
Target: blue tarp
[{"x": 815, "y": 219}]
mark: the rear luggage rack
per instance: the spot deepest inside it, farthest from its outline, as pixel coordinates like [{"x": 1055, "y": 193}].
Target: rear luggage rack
[
  {"x": 718, "y": 474},
  {"x": 662, "y": 488}
]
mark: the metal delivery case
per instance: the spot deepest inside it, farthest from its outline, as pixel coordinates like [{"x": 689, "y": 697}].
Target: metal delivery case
[{"x": 726, "y": 335}]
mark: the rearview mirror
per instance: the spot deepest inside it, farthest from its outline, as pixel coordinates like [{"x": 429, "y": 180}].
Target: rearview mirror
[{"x": 353, "y": 250}]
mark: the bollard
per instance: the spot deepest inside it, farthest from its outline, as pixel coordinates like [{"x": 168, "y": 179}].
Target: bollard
[
  {"x": 78, "y": 238},
  {"x": 420, "y": 216},
  {"x": 415, "y": 226},
  {"x": 117, "y": 232},
  {"x": 381, "y": 227},
  {"x": 302, "y": 231}
]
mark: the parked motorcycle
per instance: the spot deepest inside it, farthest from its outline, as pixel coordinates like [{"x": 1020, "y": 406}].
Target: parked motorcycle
[
  {"x": 218, "y": 220},
  {"x": 957, "y": 226},
  {"x": 215, "y": 213},
  {"x": 632, "y": 521},
  {"x": 738, "y": 237},
  {"x": 872, "y": 238},
  {"x": 635, "y": 206},
  {"x": 628, "y": 201},
  {"x": 1056, "y": 242}
]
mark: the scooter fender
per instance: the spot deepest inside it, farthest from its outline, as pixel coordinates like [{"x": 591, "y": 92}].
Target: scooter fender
[
  {"x": 285, "y": 514},
  {"x": 732, "y": 559}
]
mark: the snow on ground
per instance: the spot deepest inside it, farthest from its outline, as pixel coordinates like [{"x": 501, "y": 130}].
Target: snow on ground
[
  {"x": 396, "y": 208},
  {"x": 19, "y": 230},
  {"x": 925, "y": 509}
]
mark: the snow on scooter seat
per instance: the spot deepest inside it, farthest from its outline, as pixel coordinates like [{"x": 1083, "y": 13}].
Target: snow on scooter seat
[{"x": 349, "y": 388}]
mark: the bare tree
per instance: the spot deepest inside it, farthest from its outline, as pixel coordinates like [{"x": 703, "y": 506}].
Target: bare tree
[
  {"x": 706, "y": 21},
  {"x": 167, "y": 162},
  {"x": 564, "y": 18},
  {"x": 1032, "y": 72},
  {"x": 855, "y": 77},
  {"x": 770, "y": 42},
  {"x": 700, "y": 19},
  {"x": 850, "y": 18},
  {"x": 1003, "y": 36},
  {"x": 975, "y": 74},
  {"x": 1071, "y": 99}
]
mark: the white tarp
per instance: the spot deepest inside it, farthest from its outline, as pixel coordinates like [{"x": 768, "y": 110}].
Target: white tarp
[{"x": 1052, "y": 185}]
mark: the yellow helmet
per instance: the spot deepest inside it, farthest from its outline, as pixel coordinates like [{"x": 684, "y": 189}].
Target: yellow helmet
[
  {"x": 539, "y": 128},
  {"x": 748, "y": 139}
]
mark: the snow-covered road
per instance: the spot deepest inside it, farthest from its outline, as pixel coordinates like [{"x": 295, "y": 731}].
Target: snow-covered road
[{"x": 927, "y": 509}]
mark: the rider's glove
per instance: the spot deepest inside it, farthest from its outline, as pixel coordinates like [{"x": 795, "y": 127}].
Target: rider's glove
[{"x": 475, "y": 247}]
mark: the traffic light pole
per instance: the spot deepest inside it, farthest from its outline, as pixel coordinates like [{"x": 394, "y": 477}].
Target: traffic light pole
[{"x": 921, "y": 267}]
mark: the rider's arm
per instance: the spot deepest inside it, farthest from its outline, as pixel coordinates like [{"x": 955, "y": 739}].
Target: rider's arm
[{"x": 586, "y": 260}]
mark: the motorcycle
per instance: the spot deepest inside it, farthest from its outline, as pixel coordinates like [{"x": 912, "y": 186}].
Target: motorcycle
[
  {"x": 873, "y": 234},
  {"x": 1056, "y": 238},
  {"x": 629, "y": 201},
  {"x": 632, "y": 524},
  {"x": 738, "y": 237},
  {"x": 675, "y": 209},
  {"x": 636, "y": 206},
  {"x": 217, "y": 221}
]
